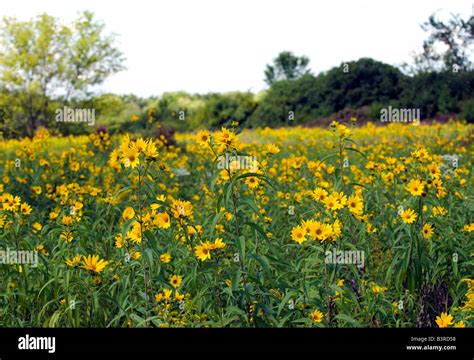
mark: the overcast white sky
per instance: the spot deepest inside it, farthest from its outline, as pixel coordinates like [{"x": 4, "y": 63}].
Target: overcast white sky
[{"x": 224, "y": 45}]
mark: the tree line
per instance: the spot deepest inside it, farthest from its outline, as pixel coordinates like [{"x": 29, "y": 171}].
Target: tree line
[{"x": 45, "y": 65}]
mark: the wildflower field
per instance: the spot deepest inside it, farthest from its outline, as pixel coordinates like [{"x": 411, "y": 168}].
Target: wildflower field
[{"x": 345, "y": 226}]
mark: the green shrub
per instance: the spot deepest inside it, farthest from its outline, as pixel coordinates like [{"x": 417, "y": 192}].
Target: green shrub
[{"x": 467, "y": 110}]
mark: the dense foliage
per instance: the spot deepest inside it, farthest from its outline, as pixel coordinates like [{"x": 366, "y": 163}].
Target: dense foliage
[{"x": 134, "y": 232}]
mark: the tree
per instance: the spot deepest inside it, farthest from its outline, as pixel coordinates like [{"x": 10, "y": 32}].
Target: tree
[
  {"x": 290, "y": 103},
  {"x": 365, "y": 82},
  {"x": 44, "y": 64},
  {"x": 221, "y": 109},
  {"x": 437, "y": 92},
  {"x": 455, "y": 36},
  {"x": 286, "y": 67},
  {"x": 311, "y": 97}
]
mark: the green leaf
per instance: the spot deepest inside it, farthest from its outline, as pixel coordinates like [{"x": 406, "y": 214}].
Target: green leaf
[
  {"x": 240, "y": 243},
  {"x": 258, "y": 228},
  {"x": 126, "y": 227},
  {"x": 327, "y": 157},
  {"x": 214, "y": 223},
  {"x": 251, "y": 203},
  {"x": 348, "y": 319},
  {"x": 357, "y": 151}
]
